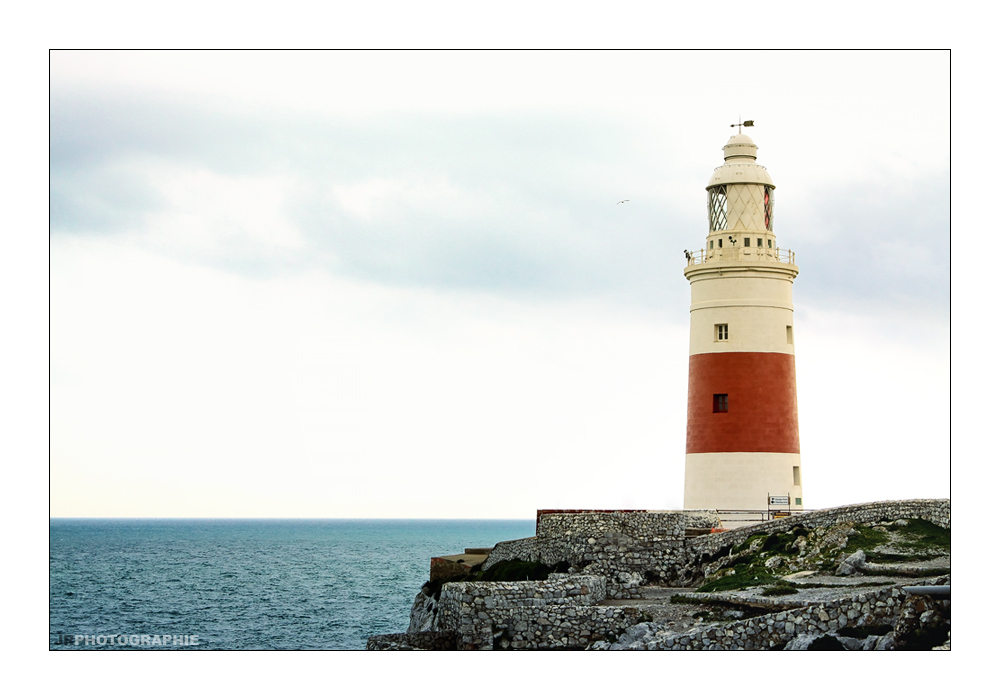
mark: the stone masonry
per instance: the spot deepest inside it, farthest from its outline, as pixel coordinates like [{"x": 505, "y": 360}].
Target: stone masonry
[
  {"x": 558, "y": 613},
  {"x": 632, "y": 548},
  {"x": 616, "y": 553}
]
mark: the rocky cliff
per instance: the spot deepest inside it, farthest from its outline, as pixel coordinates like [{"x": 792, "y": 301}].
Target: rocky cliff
[{"x": 637, "y": 580}]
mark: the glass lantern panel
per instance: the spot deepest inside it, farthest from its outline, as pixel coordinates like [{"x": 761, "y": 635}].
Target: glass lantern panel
[{"x": 717, "y": 208}]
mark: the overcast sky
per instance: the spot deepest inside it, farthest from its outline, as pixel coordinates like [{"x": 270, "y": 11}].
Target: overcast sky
[{"x": 399, "y": 285}]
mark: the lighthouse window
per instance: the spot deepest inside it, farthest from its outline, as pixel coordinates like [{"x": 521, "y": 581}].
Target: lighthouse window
[
  {"x": 760, "y": 242},
  {"x": 746, "y": 242},
  {"x": 768, "y": 242},
  {"x": 796, "y": 479},
  {"x": 711, "y": 244},
  {"x": 722, "y": 331},
  {"x": 720, "y": 242},
  {"x": 717, "y": 208},
  {"x": 720, "y": 403},
  {"x": 768, "y": 208}
]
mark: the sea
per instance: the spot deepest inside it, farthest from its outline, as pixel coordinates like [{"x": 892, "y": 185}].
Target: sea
[{"x": 193, "y": 585}]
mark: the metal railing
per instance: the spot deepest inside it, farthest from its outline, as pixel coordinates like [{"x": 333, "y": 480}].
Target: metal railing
[
  {"x": 697, "y": 257},
  {"x": 759, "y": 516}
]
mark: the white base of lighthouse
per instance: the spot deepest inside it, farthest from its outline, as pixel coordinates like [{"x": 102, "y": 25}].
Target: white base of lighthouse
[{"x": 741, "y": 480}]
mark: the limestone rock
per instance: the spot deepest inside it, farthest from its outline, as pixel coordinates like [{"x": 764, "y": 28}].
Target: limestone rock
[
  {"x": 801, "y": 642},
  {"x": 629, "y": 579},
  {"x": 633, "y": 638},
  {"x": 850, "y": 643},
  {"x": 886, "y": 643},
  {"x": 423, "y": 614},
  {"x": 851, "y": 564}
]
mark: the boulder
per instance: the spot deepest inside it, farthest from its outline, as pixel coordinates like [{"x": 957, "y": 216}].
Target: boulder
[{"x": 851, "y": 564}]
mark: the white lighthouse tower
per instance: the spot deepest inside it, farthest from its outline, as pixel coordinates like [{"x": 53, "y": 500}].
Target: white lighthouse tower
[{"x": 743, "y": 428}]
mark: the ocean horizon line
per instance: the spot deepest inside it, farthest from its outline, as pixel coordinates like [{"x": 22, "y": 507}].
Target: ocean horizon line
[{"x": 275, "y": 518}]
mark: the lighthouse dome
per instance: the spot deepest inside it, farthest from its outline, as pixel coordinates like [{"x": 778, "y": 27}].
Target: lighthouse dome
[
  {"x": 741, "y": 165},
  {"x": 740, "y": 146}
]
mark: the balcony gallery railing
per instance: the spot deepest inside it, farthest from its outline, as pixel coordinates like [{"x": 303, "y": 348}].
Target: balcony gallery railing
[{"x": 697, "y": 257}]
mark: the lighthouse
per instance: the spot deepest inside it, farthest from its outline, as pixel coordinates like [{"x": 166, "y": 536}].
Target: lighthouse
[{"x": 742, "y": 428}]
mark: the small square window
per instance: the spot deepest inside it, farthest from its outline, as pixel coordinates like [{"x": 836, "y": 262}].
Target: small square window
[
  {"x": 720, "y": 403},
  {"x": 722, "y": 331},
  {"x": 760, "y": 242},
  {"x": 798, "y": 501},
  {"x": 746, "y": 242}
]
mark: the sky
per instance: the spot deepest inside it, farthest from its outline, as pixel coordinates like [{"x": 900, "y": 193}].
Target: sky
[{"x": 390, "y": 284}]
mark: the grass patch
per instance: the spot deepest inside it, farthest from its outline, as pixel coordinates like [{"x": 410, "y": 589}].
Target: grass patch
[
  {"x": 923, "y": 533},
  {"x": 867, "y": 538},
  {"x": 746, "y": 574},
  {"x": 781, "y": 542},
  {"x": 745, "y": 544},
  {"x": 774, "y": 543}
]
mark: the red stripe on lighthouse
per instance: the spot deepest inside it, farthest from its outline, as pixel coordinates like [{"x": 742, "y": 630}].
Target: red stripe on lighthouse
[{"x": 762, "y": 412}]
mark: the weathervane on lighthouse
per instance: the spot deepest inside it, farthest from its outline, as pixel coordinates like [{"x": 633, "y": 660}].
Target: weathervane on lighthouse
[{"x": 742, "y": 431}]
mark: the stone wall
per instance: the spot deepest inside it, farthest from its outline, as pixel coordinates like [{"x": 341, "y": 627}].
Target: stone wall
[
  {"x": 559, "y": 613},
  {"x": 934, "y": 511},
  {"x": 611, "y": 544},
  {"x": 615, "y": 554},
  {"x": 650, "y": 526},
  {"x": 622, "y": 546},
  {"x": 775, "y": 630}
]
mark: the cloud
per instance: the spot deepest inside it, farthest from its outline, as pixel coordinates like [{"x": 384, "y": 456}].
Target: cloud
[
  {"x": 498, "y": 202},
  {"x": 517, "y": 203},
  {"x": 877, "y": 246},
  {"x": 261, "y": 309}
]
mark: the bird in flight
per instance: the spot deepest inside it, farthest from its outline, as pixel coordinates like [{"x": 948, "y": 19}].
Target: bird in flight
[{"x": 621, "y": 202}]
